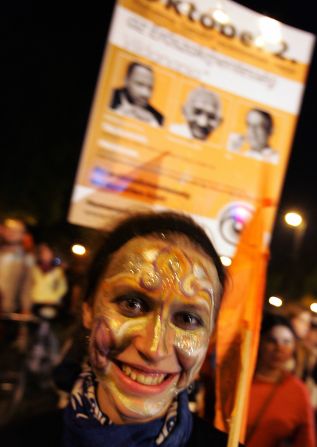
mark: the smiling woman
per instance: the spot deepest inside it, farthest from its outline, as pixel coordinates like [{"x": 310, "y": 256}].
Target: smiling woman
[{"x": 152, "y": 299}]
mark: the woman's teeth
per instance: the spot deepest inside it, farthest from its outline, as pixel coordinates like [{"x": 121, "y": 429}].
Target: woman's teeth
[{"x": 145, "y": 379}]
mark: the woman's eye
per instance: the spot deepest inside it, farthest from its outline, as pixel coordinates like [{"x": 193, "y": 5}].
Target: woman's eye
[
  {"x": 132, "y": 306},
  {"x": 187, "y": 320}
]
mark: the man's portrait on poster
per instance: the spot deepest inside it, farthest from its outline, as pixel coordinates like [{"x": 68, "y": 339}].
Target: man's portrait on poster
[
  {"x": 254, "y": 143},
  {"x": 133, "y": 99},
  {"x": 202, "y": 114}
]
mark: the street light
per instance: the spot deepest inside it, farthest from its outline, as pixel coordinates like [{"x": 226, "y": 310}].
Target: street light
[
  {"x": 313, "y": 307},
  {"x": 78, "y": 249},
  {"x": 275, "y": 301},
  {"x": 297, "y": 222},
  {"x": 293, "y": 219}
]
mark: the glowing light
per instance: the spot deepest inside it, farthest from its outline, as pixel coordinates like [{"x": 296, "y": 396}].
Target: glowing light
[
  {"x": 259, "y": 42},
  {"x": 78, "y": 249},
  {"x": 275, "y": 301},
  {"x": 293, "y": 219},
  {"x": 313, "y": 307},
  {"x": 232, "y": 221},
  {"x": 220, "y": 16},
  {"x": 184, "y": 8},
  {"x": 270, "y": 30},
  {"x": 226, "y": 261}
]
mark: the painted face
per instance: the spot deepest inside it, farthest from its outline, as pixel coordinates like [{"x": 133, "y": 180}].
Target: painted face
[
  {"x": 202, "y": 116},
  {"x": 151, "y": 322},
  {"x": 277, "y": 346}
]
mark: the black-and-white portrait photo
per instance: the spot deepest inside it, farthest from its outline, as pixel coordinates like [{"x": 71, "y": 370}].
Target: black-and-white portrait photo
[
  {"x": 202, "y": 114},
  {"x": 133, "y": 99},
  {"x": 255, "y": 141}
]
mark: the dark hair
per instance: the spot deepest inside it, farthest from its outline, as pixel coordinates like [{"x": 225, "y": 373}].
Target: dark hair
[
  {"x": 271, "y": 320},
  {"x": 149, "y": 223},
  {"x": 133, "y": 65}
]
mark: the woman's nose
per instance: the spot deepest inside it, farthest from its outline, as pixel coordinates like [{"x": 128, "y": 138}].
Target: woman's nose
[
  {"x": 153, "y": 344},
  {"x": 282, "y": 346}
]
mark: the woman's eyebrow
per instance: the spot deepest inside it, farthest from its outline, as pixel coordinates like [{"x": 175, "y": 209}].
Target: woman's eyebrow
[
  {"x": 198, "y": 305},
  {"x": 136, "y": 294}
]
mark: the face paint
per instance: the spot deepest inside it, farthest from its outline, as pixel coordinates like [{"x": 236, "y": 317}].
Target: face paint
[
  {"x": 152, "y": 319},
  {"x": 157, "y": 334}
]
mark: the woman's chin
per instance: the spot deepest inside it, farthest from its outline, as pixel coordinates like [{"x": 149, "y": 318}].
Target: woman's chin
[
  {"x": 127, "y": 410},
  {"x": 138, "y": 416},
  {"x": 126, "y": 401}
]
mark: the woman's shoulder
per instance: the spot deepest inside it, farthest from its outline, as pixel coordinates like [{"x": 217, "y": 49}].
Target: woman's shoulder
[
  {"x": 204, "y": 434},
  {"x": 298, "y": 387},
  {"x": 291, "y": 379}
]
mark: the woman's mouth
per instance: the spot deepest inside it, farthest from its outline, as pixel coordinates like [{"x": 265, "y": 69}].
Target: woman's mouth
[
  {"x": 141, "y": 377},
  {"x": 139, "y": 380}
]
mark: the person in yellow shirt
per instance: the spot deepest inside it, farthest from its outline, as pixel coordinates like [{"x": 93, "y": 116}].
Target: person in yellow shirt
[{"x": 48, "y": 284}]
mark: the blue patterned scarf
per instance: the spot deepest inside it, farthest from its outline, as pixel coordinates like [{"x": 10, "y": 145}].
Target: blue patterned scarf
[{"x": 87, "y": 426}]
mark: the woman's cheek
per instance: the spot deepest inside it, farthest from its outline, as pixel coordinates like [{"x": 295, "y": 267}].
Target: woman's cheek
[
  {"x": 190, "y": 349},
  {"x": 101, "y": 342},
  {"x": 110, "y": 336}
]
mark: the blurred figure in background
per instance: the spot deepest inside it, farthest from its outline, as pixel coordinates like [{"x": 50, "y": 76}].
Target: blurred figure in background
[
  {"x": 48, "y": 282},
  {"x": 49, "y": 287},
  {"x": 280, "y": 413},
  {"x": 303, "y": 364},
  {"x": 15, "y": 267},
  {"x": 37, "y": 393},
  {"x": 311, "y": 365},
  {"x": 300, "y": 319}
]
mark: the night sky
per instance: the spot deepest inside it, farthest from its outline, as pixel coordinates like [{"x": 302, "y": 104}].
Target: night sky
[{"x": 51, "y": 57}]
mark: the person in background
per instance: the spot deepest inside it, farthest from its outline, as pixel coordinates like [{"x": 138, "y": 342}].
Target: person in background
[
  {"x": 311, "y": 364},
  {"x": 202, "y": 113},
  {"x": 48, "y": 288},
  {"x": 15, "y": 267},
  {"x": 311, "y": 336},
  {"x": 48, "y": 282},
  {"x": 132, "y": 100},
  {"x": 300, "y": 318},
  {"x": 304, "y": 364},
  {"x": 152, "y": 299},
  {"x": 280, "y": 412}
]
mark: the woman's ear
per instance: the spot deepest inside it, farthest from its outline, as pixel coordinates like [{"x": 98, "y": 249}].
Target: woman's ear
[{"x": 87, "y": 315}]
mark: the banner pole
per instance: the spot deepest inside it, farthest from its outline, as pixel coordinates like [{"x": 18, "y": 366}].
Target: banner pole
[{"x": 238, "y": 412}]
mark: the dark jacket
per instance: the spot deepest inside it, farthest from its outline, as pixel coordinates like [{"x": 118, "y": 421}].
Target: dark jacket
[
  {"x": 204, "y": 435},
  {"x": 49, "y": 427}
]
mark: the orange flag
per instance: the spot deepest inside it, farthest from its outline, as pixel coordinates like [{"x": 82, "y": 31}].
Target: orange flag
[{"x": 238, "y": 327}]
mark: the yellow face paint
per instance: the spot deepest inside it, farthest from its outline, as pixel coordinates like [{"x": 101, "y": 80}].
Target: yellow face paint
[
  {"x": 157, "y": 334},
  {"x": 156, "y": 306}
]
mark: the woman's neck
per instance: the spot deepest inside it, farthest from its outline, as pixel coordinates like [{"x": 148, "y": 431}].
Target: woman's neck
[{"x": 269, "y": 374}]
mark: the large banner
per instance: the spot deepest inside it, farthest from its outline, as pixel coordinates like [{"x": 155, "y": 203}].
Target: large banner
[{"x": 194, "y": 111}]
